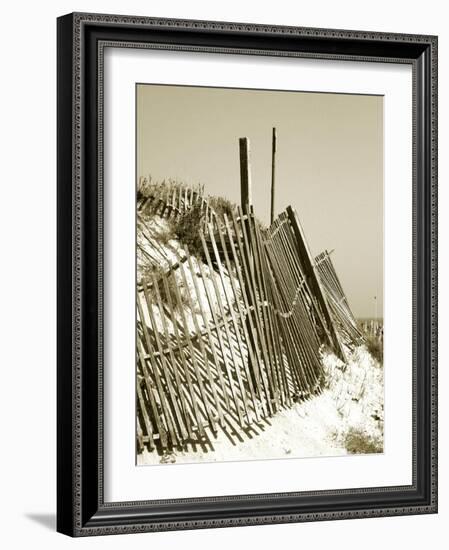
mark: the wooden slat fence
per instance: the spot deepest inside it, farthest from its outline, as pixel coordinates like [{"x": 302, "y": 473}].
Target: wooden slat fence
[
  {"x": 170, "y": 200},
  {"x": 227, "y": 339}
]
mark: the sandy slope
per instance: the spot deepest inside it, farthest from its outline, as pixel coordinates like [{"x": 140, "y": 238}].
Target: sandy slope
[
  {"x": 318, "y": 427},
  {"x": 352, "y": 399}
]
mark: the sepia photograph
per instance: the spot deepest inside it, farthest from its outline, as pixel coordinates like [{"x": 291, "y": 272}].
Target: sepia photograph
[
  {"x": 247, "y": 273},
  {"x": 259, "y": 274}
]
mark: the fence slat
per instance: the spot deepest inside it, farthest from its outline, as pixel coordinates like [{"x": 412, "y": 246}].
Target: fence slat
[
  {"x": 146, "y": 418},
  {"x": 227, "y": 332},
  {"x": 153, "y": 405},
  {"x": 210, "y": 339},
  {"x": 233, "y": 316},
  {"x": 252, "y": 308},
  {"x": 160, "y": 377},
  {"x": 217, "y": 326},
  {"x": 305, "y": 258},
  {"x": 186, "y": 370},
  {"x": 251, "y": 336},
  {"x": 263, "y": 309},
  {"x": 160, "y": 391},
  {"x": 201, "y": 344},
  {"x": 195, "y": 365},
  {"x": 182, "y": 415}
]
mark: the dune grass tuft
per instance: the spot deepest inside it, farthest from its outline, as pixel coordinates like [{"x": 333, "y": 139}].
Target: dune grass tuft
[{"x": 359, "y": 442}]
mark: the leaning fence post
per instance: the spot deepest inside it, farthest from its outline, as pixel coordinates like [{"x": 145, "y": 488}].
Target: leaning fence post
[
  {"x": 246, "y": 203},
  {"x": 308, "y": 266},
  {"x": 273, "y": 173},
  {"x": 245, "y": 174}
]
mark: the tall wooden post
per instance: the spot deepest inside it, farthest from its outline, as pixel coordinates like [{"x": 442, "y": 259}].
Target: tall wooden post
[
  {"x": 273, "y": 173},
  {"x": 246, "y": 203},
  {"x": 245, "y": 174}
]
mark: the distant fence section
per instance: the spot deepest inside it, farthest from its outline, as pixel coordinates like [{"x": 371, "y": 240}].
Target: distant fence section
[
  {"x": 373, "y": 329},
  {"x": 342, "y": 317},
  {"x": 228, "y": 338}
]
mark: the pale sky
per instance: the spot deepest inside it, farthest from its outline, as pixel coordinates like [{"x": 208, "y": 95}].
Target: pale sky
[{"x": 329, "y": 164}]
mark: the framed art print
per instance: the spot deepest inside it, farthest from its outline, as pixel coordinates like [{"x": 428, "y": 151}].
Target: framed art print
[{"x": 246, "y": 274}]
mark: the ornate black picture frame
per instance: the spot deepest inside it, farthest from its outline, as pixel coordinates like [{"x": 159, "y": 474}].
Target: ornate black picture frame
[{"x": 81, "y": 510}]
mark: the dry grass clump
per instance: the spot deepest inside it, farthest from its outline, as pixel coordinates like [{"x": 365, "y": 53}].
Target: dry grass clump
[
  {"x": 375, "y": 348},
  {"x": 156, "y": 193},
  {"x": 188, "y": 226},
  {"x": 359, "y": 442},
  {"x": 222, "y": 206},
  {"x": 187, "y": 229}
]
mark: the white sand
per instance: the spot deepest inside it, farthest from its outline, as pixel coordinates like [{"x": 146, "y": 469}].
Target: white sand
[
  {"x": 352, "y": 399},
  {"x": 317, "y": 427}
]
